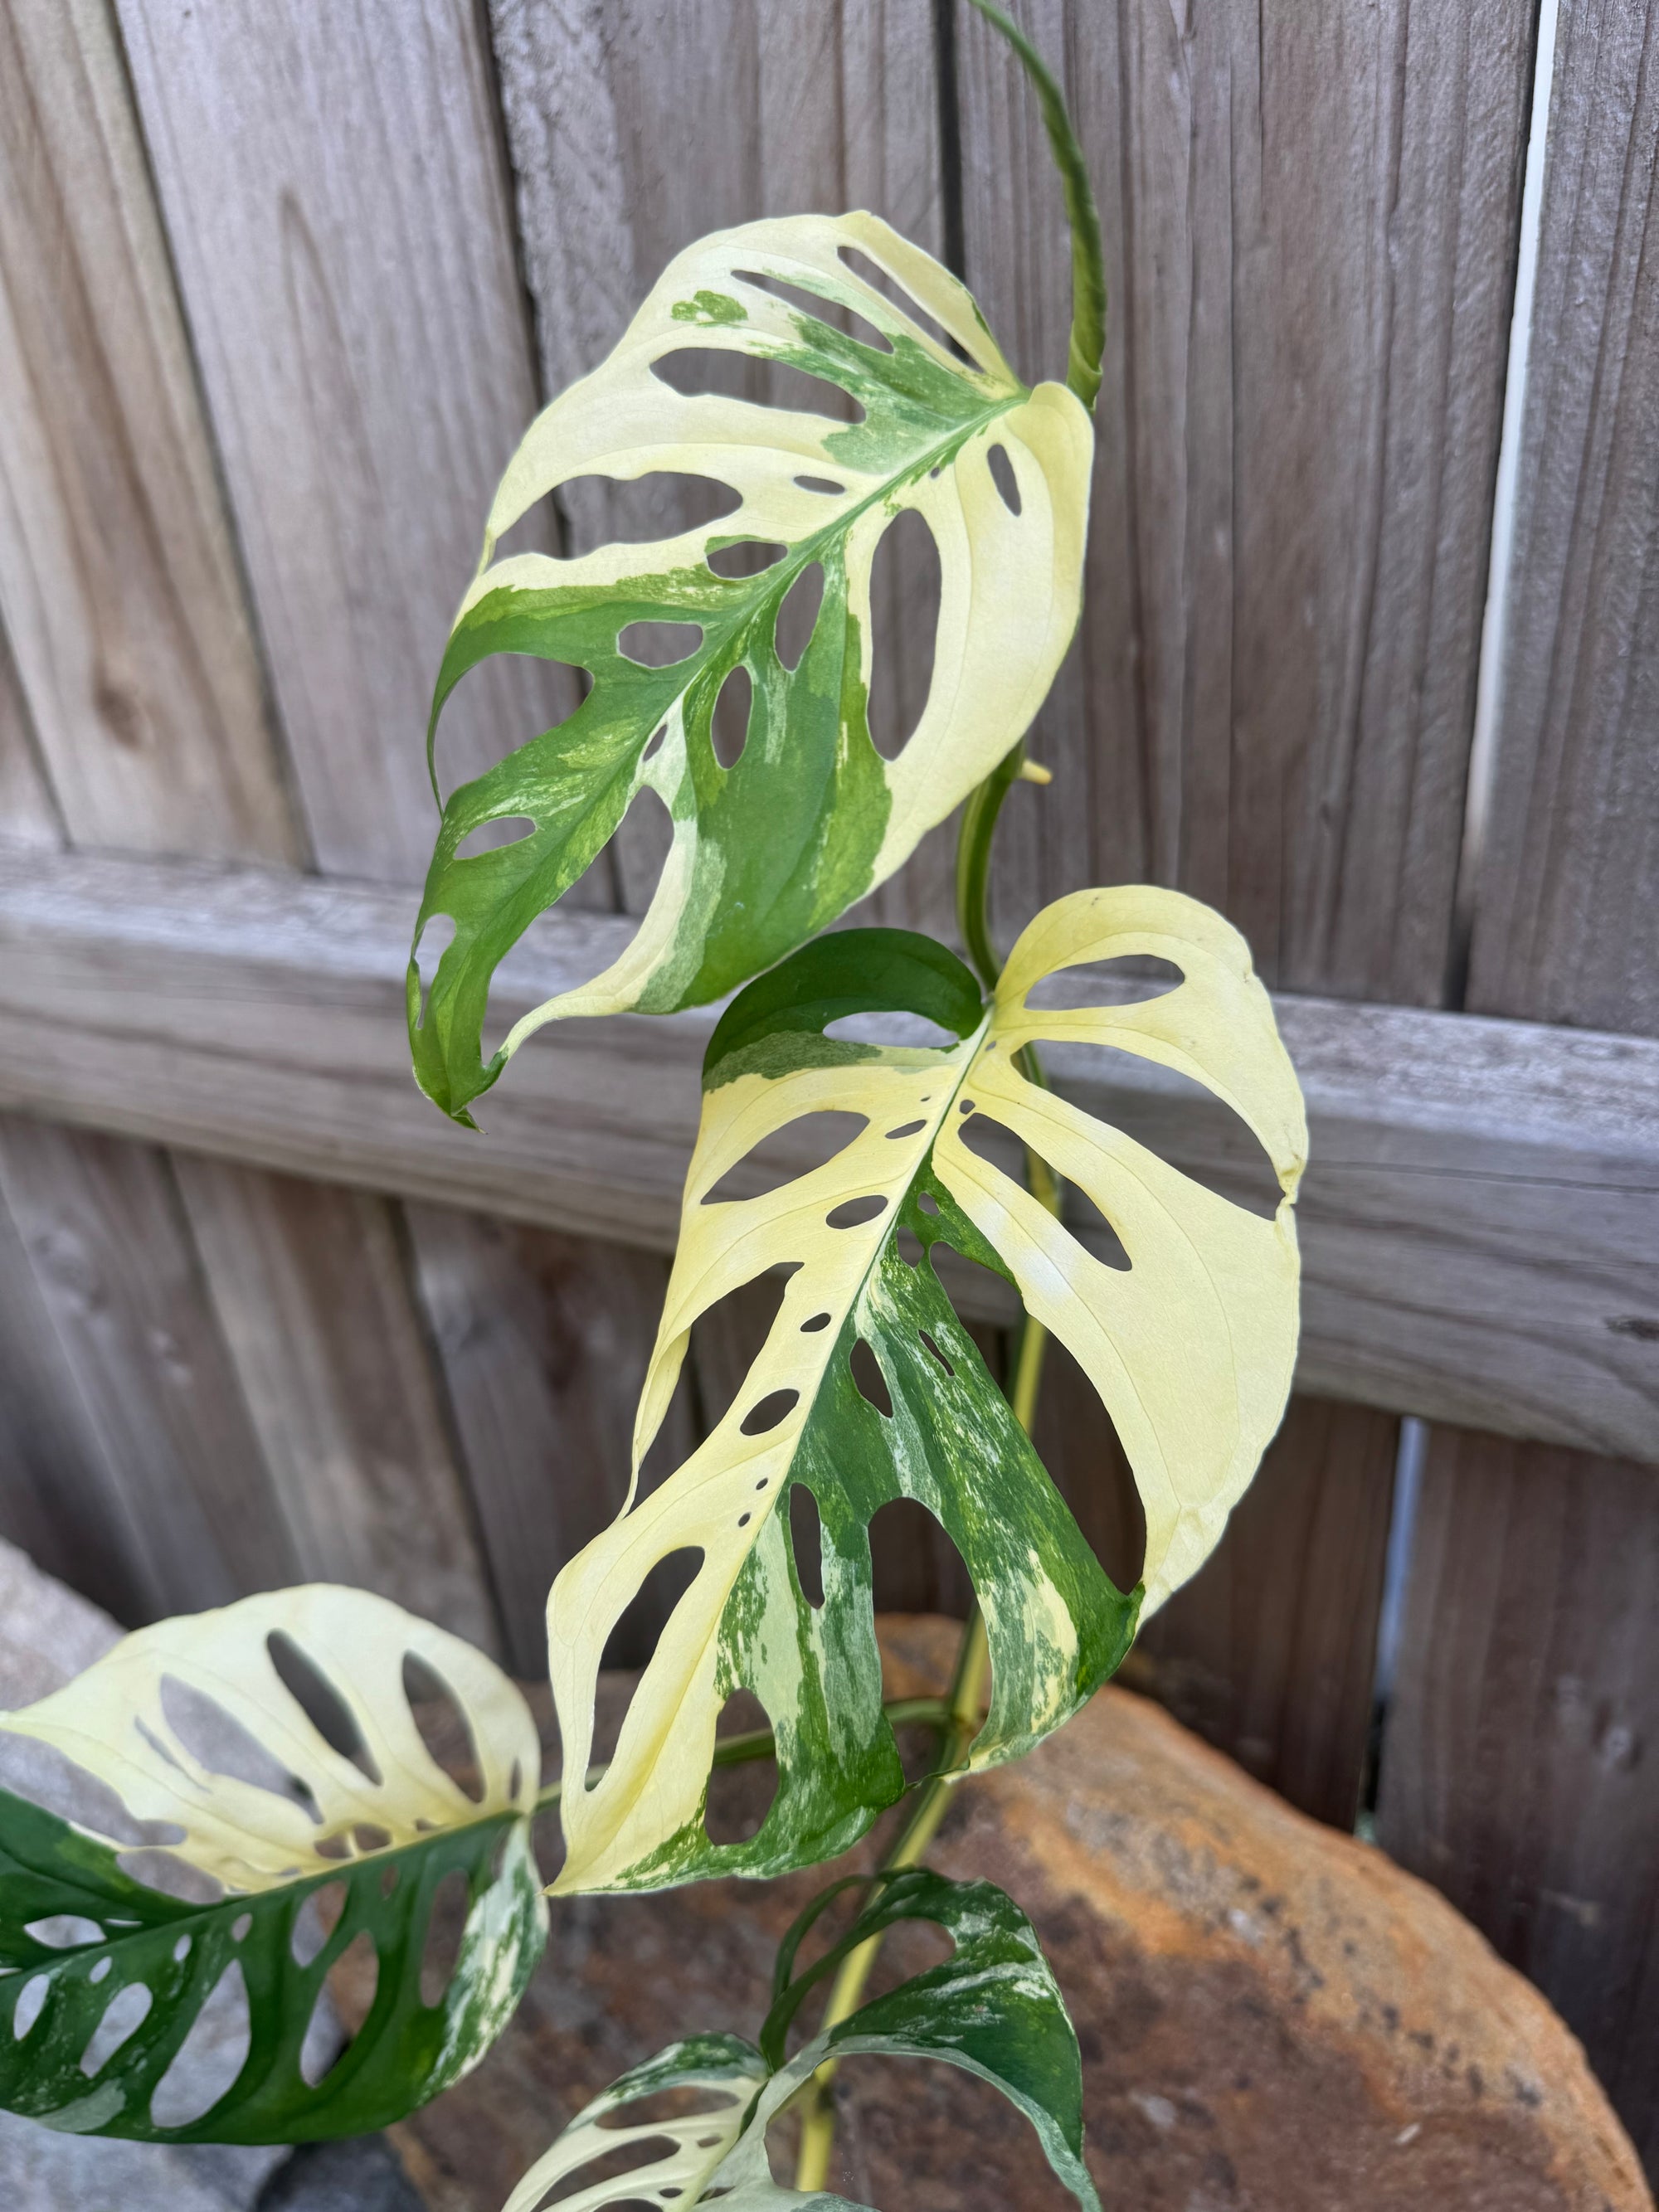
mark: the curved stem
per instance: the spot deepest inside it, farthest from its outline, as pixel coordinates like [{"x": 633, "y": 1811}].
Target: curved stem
[{"x": 1088, "y": 340}]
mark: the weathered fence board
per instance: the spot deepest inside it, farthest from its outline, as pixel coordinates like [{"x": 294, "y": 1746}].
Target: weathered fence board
[
  {"x": 112, "y": 1254},
  {"x": 1514, "y": 1769},
  {"x": 310, "y": 1287},
  {"x": 341, "y": 237},
  {"x": 28, "y": 815},
  {"x": 1310, "y": 218},
  {"x": 116, "y": 575},
  {"x": 1478, "y": 1224},
  {"x": 544, "y": 1340},
  {"x": 1517, "y": 1769}
]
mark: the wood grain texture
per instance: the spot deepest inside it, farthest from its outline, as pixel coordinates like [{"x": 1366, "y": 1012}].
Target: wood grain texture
[
  {"x": 29, "y": 813},
  {"x": 1478, "y": 1224},
  {"x": 310, "y": 1286},
  {"x": 1309, "y": 216},
  {"x": 1566, "y": 921},
  {"x": 1517, "y": 1771},
  {"x": 634, "y": 130},
  {"x": 341, "y": 236},
  {"x": 118, "y": 581},
  {"x": 116, "y": 1271},
  {"x": 544, "y": 1340}
]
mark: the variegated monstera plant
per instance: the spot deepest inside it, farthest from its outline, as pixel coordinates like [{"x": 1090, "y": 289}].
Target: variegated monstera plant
[{"x": 278, "y": 1755}]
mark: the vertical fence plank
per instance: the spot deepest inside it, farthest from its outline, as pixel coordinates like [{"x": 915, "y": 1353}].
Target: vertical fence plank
[
  {"x": 310, "y": 1287},
  {"x": 1310, "y": 220},
  {"x": 544, "y": 1340},
  {"x": 1270, "y": 1652},
  {"x": 635, "y": 130},
  {"x": 28, "y": 814},
  {"x": 116, "y": 569},
  {"x": 113, "y": 1256},
  {"x": 1517, "y": 1771},
  {"x": 340, "y": 231},
  {"x": 1566, "y": 924}
]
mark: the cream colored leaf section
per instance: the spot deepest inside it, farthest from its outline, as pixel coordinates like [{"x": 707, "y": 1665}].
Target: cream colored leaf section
[
  {"x": 138, "y": 1721},
  {"x": 1191, "y": 1347}
]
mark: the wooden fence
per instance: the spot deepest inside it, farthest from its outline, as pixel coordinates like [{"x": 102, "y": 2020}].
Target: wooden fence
[{"x": 279, "y": 286}]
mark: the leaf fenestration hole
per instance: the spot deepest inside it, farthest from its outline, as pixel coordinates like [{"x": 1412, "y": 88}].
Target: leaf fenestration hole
[
  {"x": 654, "y": 744},
  {"x": 808, "y": 1142},
  {"x": 992, "y": 1141},
  {"x": 314, "y": 1921},
  {"x": 749, "y": 556},
  {"x": 323, "y": 1705},
  {"x": 611, "y": 2165},
  {"x": 889, "y": 1027},
  {"x": 696, "y": 371},
  {"x": 806, "y": 1543},
  {"x": 219, "y": 1743},
  {"x": 445, "y": 1925},
  {"x": 359, "y": 1966},
  {"x": 1003, "y": 477},
  {"x": 769, "y": 1412},
  {"x": 636, "y": 510},
  {"x": 906, "y": 583},
  {"x": 835, "y": 313},
  {"x": 441, "y": 1719},
  {"x": 634, "y": 1636},
  {"x": 207, "y": 2063},
  {"x": 927, "y": 1202},
  {"x": 798, "y": 616},
  {"x": 26, "y": 2011},
  {"x": 1128, "y": 980},
  {"x": 914, "y": 1566},
  {"x": 124, "y": 2014},
  {"x": 728, "y": 727},
  {"x": 739, "y": 1797},
  {"x": 896, "y": 295},
  {"x": 906, "y": 1129},
  {"x": 492, "y": 836},
  {"x": 1077, "y": 1442},
  {"x": 64, "y": 1931},
  {"x": 813, "y": 1323},
  {"x": 683, "y": 2101},
  {"x": 658, "y": 644},
  {"x": 907, "y": 1245},
  {"x": 929, "y": 1345},
  {"x": 826, "y": 486},
  {"x": 854, "y": 1212},
  {"x": 870, "y": 1382}
]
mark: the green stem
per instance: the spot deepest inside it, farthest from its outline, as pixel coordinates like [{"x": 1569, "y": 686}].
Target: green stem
[{"x": 1088, "y": 340}]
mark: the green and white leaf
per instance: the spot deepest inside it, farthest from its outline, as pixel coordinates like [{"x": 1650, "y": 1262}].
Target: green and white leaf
[
  {"x": 381, "y": 1818},
  {"x": 992, "y": 2008},
  {"x": 810, "y": 817},
  {"x": 1191, "y": 1350}
]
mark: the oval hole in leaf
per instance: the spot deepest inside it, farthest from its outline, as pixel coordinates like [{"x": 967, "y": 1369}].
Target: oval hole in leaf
[
  {"x": 854, "y": 1212},
  {"x": 219, "y": 1743},
  {"x": 611, "y": 2165},
  {"x": 728, "y": 729},
  {"x": 826, "y": 486},
  {"x": 927, "y": 1202},
  {"x": 871, "y": 1382},
  {"x": 891, "y": 291},
  {"x": 124, "y": 2014},
  {"x": 1128, "y": 982},
  {"x": 443, "y": 1726},
  {"x": 64, "y": 1931},
  {"x": 437, "y": 935},
  {"x": 813, "y": 1323},
  {"x": 727, "y": 1339},
  {"x": 833, "y": 312},
  {"x": 770, "y": 1413},
  {"x": 658, "y": 644},
  {"x": 445, "y": 1925},
  {"x": 914, "y": 1566},
  {"x": 906, "y": 1129},
  {"x": 905, "y": 586},
  {"x": 694, "y": 370},
  {"x": 492, "y": 836},
  {"x": 357, "y": 1972},
  {"x": 929, "y": 1346},
  {"x": 907, "y": 1245},
  {"x": 749, "y": 556},
  {"x": 807, "y": 1542},
  {"x": 740, "y": 1797},
  {"x": 321, "y": 1703},
  {"x": 1002, "y": 476},
  {"x": 894, "y": 1028},
  {"x": 992, "y": 1141},
  {"x": 600, "y": 510},
  {"x": 800, "y": 1147},
  {"x": 315, "y": 1921},
  {"x": 634, "y": 1636},
  {"x": 683, "y": 2101},
  {"x": 26, "y": 2011},
  {"x": 206, "y": 2064},
  {"x": 798, "y": 616}
]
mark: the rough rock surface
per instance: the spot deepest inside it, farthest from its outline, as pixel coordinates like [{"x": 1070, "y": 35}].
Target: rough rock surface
[{"x": 1272, "y": 2014}]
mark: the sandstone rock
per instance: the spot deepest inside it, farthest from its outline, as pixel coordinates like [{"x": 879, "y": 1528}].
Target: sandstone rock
[{"x": 1272, "y": 2014}]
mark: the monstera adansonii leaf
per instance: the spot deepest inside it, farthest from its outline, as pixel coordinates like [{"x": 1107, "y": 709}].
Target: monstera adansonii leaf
[
  {"x": 1190, "y": 1347},
  {"x": 991, "y": 2008},
  {"x": 215, "y": 1727},
  {"x": 810, "y": 816}
]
